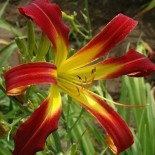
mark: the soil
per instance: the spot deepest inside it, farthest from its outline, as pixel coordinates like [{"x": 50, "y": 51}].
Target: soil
[{"x": 101, "y": 12}]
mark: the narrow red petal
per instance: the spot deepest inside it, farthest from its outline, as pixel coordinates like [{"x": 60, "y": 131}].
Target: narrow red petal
[
  {"x": 132, "y": 64},
  {"x": 119, "y": 135},
  {"x": 115, "y": 31},
  {"x": 18, "y": 78},
  {"x": 31, "y": 135},
  {"x": 48, "y": 17}
]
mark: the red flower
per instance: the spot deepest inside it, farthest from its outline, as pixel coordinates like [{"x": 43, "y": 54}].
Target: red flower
[{"x": 72, "y": 75}]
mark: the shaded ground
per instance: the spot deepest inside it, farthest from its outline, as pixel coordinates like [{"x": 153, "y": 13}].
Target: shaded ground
[{"x": 101, "y": 12}]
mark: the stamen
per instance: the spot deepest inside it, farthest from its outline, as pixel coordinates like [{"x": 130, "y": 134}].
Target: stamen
[
  {"x": 79, "y": 77},
  {"x": 78, "y": 91},
  {"x": 87, "y": 82},
  {"x": 81, "y": 81},
  {"x": 125, "y": 105},
  {"x": 85, "y": 79},
  {"x": 93, "y": 70},
  {"x": 93, "y": 79}
]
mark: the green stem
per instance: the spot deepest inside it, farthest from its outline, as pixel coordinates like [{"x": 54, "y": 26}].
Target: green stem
[
  {"x": 12, "y": 98},
  {"x": 67, "y": 121},
  {"x": 56, "y": 138},
  {"x": 88, "y": 19},
  {"x": 43, "y": 48},
  {"x": 71, "y": 19},
  {"x": 82, "y": 110},
  {"x": 68, "y": 109},
  {"x": 31, "y": 38}
]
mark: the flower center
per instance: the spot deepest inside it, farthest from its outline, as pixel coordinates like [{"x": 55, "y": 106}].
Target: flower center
[
  {"x": 87, "y": 81},
  {"x": 78, "y": 81}
]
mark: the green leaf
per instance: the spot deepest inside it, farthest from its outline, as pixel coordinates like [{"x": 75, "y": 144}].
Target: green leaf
[
  {"x": 21, "y": 45},
  {"x": 8, "y": 51},
  {"x": 5, "y": 25},
  {"x": 31, "y": 37},
  {"x": 2, "y": 9}
]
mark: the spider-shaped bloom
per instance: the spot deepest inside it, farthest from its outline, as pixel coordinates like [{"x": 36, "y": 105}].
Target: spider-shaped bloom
[{"x": 72, "y": 74}]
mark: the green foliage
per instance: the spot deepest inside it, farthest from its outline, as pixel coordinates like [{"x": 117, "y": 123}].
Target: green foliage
[
  {"x": 78, "y": 131},
  {"x": 149, "y": 6},
  {"x": 136, "y": 90},
  {"x": 4, "y": 24}
]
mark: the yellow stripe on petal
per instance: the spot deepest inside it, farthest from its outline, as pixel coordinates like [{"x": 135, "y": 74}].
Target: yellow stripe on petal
[
  {"x": 62, "y": 51},
  {"x": 82, "y": 58},
  {"x": 132, "y": 64},
  {"x": 54, "y": 100},
  {"x": 93, "y": 72},
  {"x": 48, "y": 17},
  {"x": 20, "y": 77},
  {"x": 41, "y": 123},
  {"x": 119, "y": 135},
  {"x": 115, "y": 31},
  {"x": 85, "y": 76}
]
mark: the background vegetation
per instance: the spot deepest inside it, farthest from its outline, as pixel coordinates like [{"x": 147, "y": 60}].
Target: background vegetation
[{"x": 78, "y": 132}]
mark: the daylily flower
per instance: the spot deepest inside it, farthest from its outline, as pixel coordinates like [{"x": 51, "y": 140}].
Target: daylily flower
[{"x": 73, "y": 75}]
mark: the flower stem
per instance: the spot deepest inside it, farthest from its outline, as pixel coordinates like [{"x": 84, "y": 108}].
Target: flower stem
[
  {"x": 14, "y": 99},
  {"x": 43, "y": 48},
  {"x": 78, "y": 118},
  {"x": 88, "y": 19},
  {"x": 56, "y": 138}
]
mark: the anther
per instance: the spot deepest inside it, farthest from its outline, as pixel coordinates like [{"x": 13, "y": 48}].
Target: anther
[
  {"x": 78, "y": 91},
  {"x": 79, "y": 77},
  {"x": 93, "y": 70}
]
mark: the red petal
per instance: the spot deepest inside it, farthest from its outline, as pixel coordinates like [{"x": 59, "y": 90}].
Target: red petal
[
  {"x": 132, "y": 63},
  {"x": 18, "y": 78},
  {"x": 49, "y": 18},
  {"x": 117, "y": 29},
  {"x": 119, "y": 135},
  {"x": 31, "y": 135}
]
